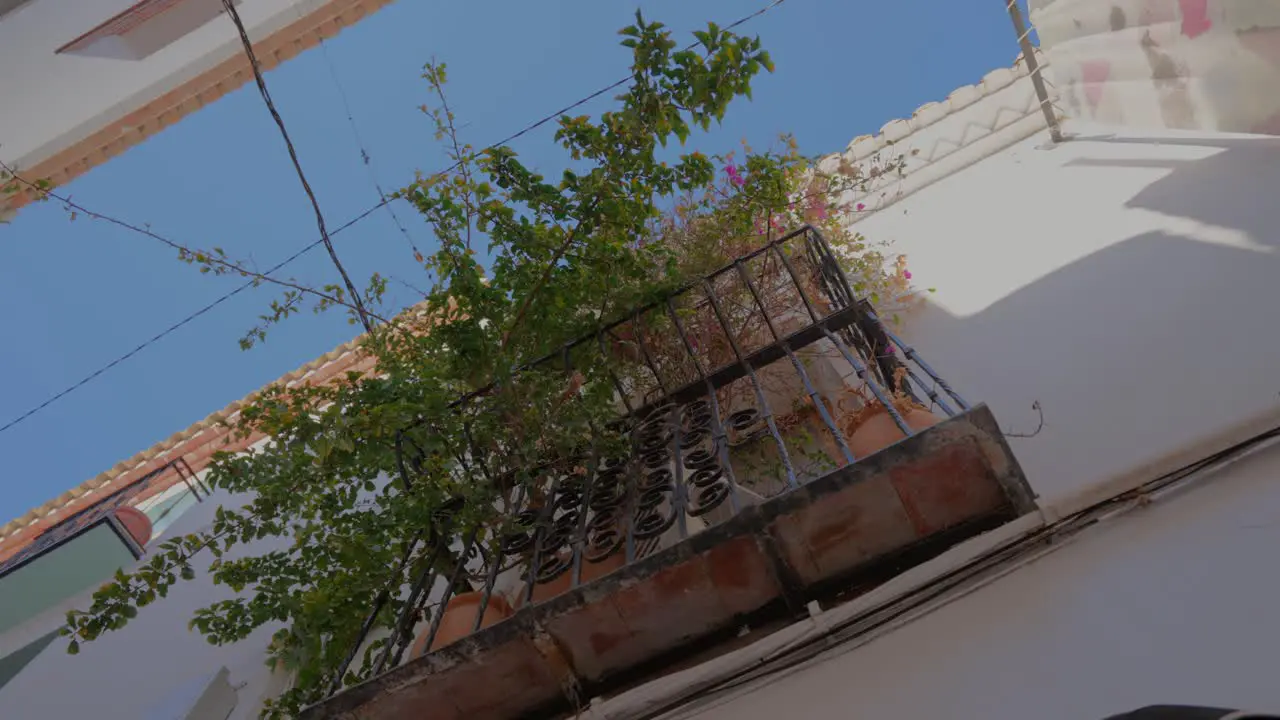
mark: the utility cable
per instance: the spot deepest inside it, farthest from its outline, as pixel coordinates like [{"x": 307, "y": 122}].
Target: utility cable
[
  {"x": 230, "y": 7},
  {"x": 316, "y": 243},
  {"x": 366, "y": 158}
]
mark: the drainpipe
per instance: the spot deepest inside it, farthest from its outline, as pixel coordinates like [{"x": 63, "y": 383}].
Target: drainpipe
[{"x": 1033, "y": 68}]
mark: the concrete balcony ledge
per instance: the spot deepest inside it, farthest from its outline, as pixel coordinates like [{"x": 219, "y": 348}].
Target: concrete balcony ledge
[{"x": 837, "y": 536}]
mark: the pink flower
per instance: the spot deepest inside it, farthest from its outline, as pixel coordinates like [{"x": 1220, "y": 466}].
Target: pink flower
[
  {"x": 732, "y": 171},
  {"x": 861, "y": 207},
  {"x": 818, "y": 208},
  {"x": 906, "y": 274}
]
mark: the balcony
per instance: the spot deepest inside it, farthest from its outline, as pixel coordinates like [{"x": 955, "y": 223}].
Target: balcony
[{"x": 785, "y": 447}]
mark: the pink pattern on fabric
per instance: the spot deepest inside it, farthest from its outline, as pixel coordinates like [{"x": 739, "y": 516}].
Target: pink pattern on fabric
[
  {"x": 1095, "y": 74},
  {"x": 1195, "y": 17}
]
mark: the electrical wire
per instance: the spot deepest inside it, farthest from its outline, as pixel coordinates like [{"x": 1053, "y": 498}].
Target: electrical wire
[
  {"x": 383, "y": 202},
  {"x": 366, "y": 158},
  {"x": 230, "y": 7}
]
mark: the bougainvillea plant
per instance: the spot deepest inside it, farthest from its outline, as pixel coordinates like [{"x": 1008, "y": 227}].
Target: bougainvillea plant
[{"x": 330, "y": 508}]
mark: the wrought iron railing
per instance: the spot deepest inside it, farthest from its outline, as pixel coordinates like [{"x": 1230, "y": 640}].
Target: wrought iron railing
[{"x": 733, "y": 390}]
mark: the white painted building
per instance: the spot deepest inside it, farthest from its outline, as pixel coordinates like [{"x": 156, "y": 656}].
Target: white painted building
[
  {"x": 155, "y": 670},
  {"x": 1123, "y": 282},
  {"x": 1110, "y": 297},
  {"x": 85, "y": 81}
]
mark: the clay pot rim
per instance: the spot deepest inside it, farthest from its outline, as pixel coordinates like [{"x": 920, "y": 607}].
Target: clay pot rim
[
  {"x": 474, "y": 597},
  {"x": 903, "y": 405}
]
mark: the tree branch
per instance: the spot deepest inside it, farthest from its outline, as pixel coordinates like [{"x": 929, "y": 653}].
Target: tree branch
[
  {"x": 542, "y": 280},
  {"x": 211, "y": 258},
  {"x": 462, "y": 162}
]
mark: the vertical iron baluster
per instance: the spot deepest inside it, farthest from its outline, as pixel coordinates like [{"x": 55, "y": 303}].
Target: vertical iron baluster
[
  {"x": 613, "y": 377},
  {"x": 792, "y": 483},
  {"x": 881, "y": 347},
  {"x": 584, "y": 499},
  {"x": 868, "y": 377},
  {"x": 914, "y": 356},
  {"x": 679, "y": 500},
  {"x": 852, "y": 358},
  {"x": 458, "y": 571},
  {"x": 835, "y": 284},
  {"x": 539, "y": 534},
  {"x": 383, "y": 596},
  {"x": 624, "y": 514},
  {"x": 633, "y": 489},
  {"x": 795, "y": 280},
  {"x": 930, "y": 391},
  {"x": 719, "y": 437},
  {"x": 494, "y": 563},
  {"x": 799, "y": 366},
  {"x": 525, "y": 466},
  {"x": 909, "y": 388},
  {"x": 400, "y": 631},
  {"x": 644, "y": 351},
  {"x": 584, "y": 503}
]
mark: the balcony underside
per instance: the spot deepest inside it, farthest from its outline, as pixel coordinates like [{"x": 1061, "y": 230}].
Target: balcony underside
[{"x": 842, "y": 533}]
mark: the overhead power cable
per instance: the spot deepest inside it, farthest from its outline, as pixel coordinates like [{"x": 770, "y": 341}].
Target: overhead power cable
[
  {"x": 365, "y": 321},
  {"x": 315, "y": 243},
  {"x": 366, "y": 157}
]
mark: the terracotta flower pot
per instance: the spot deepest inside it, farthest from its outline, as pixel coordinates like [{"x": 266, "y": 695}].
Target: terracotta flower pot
[
  {"x": 564, "y": 583},
  {"x": 879, "y": 431},
  {"x": 459, "y": 619}
]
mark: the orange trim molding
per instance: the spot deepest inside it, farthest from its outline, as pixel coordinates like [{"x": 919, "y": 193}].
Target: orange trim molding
[{"x": 168, "y": 108}]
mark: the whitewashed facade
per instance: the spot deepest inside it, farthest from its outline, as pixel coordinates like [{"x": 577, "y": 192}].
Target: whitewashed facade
[
  {"x": 1122, "y": 283},
  {"x": 1110, "y": 297}
]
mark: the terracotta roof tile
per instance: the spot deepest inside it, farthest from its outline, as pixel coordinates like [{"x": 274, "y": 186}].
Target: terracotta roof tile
[{"x": 196, "y": 445}]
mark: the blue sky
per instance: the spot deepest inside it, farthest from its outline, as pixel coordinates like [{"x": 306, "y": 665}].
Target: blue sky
[{"x": 79, "y": 294}]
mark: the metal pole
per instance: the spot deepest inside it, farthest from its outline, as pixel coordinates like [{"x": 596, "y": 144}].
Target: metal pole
[{"x": 1033, "y": 68}]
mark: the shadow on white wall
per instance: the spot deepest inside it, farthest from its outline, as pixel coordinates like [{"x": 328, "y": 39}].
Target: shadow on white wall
[{"x": 1139, "y": 350}]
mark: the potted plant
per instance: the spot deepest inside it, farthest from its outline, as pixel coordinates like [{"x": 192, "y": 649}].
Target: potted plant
[
  {"x": 458, "y": 619},
  {"x": 869, "y": 428}
]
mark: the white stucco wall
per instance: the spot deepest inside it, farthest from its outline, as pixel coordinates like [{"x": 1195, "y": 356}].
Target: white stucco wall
[
  {"x": 1169, "y": 604},
  {"x": 127, "y": 674},
  {"x": 50, "y": 101},
  {"x": 1124, "y": 281},
  {"x": 156, "y": 662}
]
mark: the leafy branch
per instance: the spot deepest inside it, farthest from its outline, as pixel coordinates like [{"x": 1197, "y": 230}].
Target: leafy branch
[
  {"x": 214, "y": 261},
  {"x": 457, "y": 421}
]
